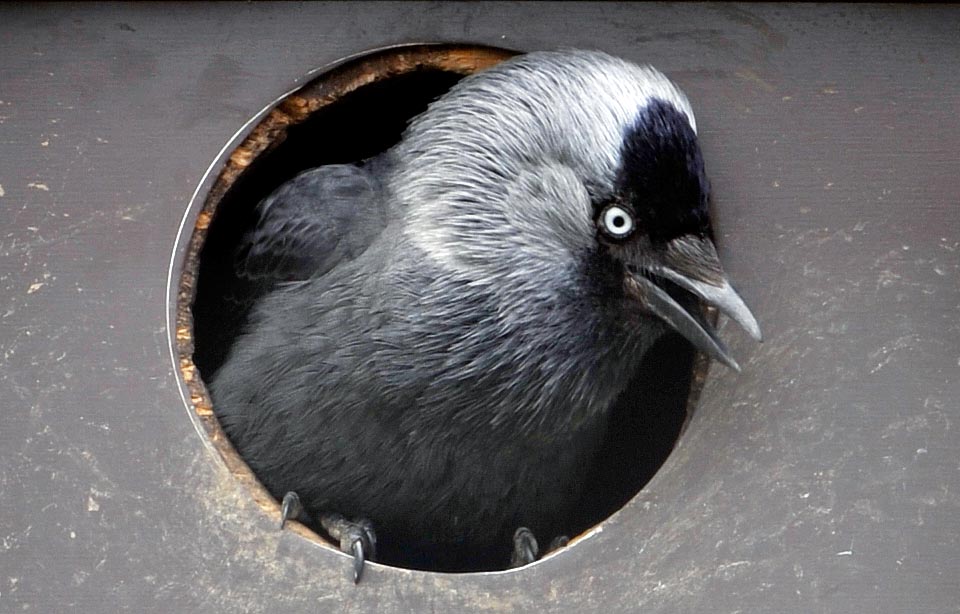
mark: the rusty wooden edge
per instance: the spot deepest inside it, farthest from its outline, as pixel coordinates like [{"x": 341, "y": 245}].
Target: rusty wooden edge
[{"x": 327, "y": 88}]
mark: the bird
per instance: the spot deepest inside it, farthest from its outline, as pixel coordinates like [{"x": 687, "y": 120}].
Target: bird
[{"x": 444, "y": 327}]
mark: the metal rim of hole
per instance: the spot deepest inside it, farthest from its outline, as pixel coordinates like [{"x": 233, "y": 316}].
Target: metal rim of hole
[{"x": 330, "y": 85}]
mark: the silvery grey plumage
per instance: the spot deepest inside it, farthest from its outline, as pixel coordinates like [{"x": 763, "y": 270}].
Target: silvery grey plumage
[{"x": 466, "y": 307}]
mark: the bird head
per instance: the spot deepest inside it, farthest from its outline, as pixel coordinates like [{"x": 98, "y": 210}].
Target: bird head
[
  {"x": 656, "y": 225},
  {"x": 556, "y": 162}
]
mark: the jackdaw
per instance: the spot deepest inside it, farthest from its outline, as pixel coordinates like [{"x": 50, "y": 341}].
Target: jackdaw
[{"x": 449, "y": 323}]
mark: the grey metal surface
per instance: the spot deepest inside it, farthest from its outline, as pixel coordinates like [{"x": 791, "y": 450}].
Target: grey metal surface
[{"x": 824, "y": 478}]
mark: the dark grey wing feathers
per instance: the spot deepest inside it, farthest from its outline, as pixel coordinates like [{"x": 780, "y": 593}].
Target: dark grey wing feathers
[{"x": 312, "y": 223}]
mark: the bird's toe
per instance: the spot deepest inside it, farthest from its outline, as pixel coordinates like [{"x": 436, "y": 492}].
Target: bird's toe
[
  {"x": 560, "y": 541},
  {"x": 290, "y": 508},
  {"x": 525, "y": 548},
  {"x": 357, "y": 538}
]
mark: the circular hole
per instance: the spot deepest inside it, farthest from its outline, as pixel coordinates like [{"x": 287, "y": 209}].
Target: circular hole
[{"x": 350, "y": 112}]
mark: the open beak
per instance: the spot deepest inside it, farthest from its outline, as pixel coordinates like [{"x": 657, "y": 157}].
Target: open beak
[{"x": 691, "y": 263}]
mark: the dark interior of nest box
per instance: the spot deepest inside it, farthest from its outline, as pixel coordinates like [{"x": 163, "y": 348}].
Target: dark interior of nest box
[{"x": 647, "y": 419}]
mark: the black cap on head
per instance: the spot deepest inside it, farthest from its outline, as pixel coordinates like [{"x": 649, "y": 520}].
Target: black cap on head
[{"x": 662, "y": 176}]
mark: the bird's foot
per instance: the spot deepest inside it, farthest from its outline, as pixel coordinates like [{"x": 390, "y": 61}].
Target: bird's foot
[
  {"x": 357, "y": 538},
  {"x": 526, "y": 550}
]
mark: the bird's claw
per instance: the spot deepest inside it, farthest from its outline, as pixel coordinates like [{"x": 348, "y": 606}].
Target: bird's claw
[
  {"x": 291, "y": 508},
  {"x": 357, "y": 539},
  {"x": 525, "y": 548},
  {"x": 560, "y": 541},
  {"x": 359, "y": 558}
]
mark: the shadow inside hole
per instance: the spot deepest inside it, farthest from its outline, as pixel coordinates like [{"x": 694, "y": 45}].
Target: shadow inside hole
[
  {"x": 646, "y": 420},
  {"x": 644, "y": 426}
]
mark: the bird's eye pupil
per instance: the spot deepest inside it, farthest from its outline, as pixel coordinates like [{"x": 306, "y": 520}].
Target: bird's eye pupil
[{"x": 619, "y": 221}]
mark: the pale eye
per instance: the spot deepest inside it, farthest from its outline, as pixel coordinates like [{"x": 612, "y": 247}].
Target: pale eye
[{"x": 617, "y": 221}]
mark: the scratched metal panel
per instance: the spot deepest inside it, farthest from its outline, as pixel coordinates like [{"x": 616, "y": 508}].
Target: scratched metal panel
[{"x": 824, "y": 478}]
